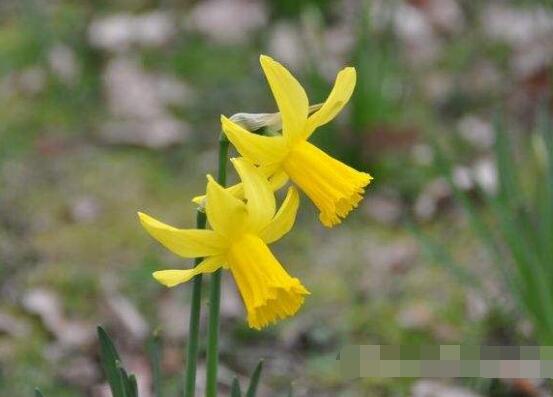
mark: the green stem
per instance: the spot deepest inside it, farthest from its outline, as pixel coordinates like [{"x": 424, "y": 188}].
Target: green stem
[
  {"x": 215, "y": 293},
  {"x": 194, "y": 323}
]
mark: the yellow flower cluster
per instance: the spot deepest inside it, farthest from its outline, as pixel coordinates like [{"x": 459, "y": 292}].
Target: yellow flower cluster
[{"x": 244, "y": 218}]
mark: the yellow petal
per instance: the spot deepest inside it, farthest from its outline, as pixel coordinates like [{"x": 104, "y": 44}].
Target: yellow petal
[
  {"x": 268, "y": 291},
  {"x": 188, "y": 243},
  {"x": 284, "y": 218},
  {"x": 226, "y": 214},
  {"x": 339, "y": 96},
  {"x": 170, "y": 278},
  {"x": 259, "y": 149},
  {"x": 277, "y": 179},
  {"x": 260, "y": 198},
  {"x": 334, "y": 187},
  {"x": 236, "y": 190},
  {"x": 289, "y": 95}
]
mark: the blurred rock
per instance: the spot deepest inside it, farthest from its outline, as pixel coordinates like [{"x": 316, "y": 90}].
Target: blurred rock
[
  {"x": 231, "y": 303},
  {"x": 84, "y": 209},
  {"x": 446, "y": 333},
  {"x": 446, "y": 15},
  {"x": 432, "y": 388},
  {"x": 159, "y": 134},
  {"x": 172, "y": 91},
  {"x": 422, "y": 154},
  {"x": 437, "y": 86},
  {"x": 285, "y": 44},
  {"x": 32, "y": 80},
  {"x": 476, "y": 306},
  {"x": 101, "y": 390},
  {"x": 384, "y": 207},
  {"x": 13, "y": 326},
  {"x": 394, "y": 258},
  {"x": 132, "y": 92},
  {"x": 528, "y": 30},
  {"x": 119, "y": 32},
  {"x": 433, "y": 196},
  {"x": 47, "y": 305},
  {"x": 139, "y": 366},
  {"x": 462, "y": 178},
  {"x": 79, "y": 371},
  {"x": 128, "y": 316},
  {"x": 485, "y": 174},
  {"x": 339, "y": 41},
  {"x": 476, "y": 131},
  {"x": 416, "y": 316},
  {"x": 172, "y": 316},
  {"x": 484, "y": 78},
  {"x": 307, "y": 333},
  {"x": 413, "y": 28},
  {"x": 138, "y": 102},
  {"x": 63, "y": 63},
  {"x": 517, "y": 26},
  {"x": 227, "y": 21}
]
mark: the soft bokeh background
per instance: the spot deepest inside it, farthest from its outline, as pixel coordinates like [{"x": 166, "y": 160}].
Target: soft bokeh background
[{"x": 109, "y": 107}]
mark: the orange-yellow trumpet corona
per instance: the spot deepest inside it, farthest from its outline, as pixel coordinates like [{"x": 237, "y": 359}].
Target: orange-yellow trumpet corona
[
  {"x": 238, "y": 239},
  {"x": 334, "y": 187}
]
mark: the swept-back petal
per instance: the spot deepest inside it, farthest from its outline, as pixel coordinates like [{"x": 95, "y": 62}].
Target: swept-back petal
[
  {"x": 226, "y": 214},
  {"x": 284, "y": 218},
  {"x": 236, "y": 190},
  {"x": 339, "y": 96},
  {"x": 173, "y": 277},
  {"x": 290, "y": 97},
  {"x": 260, "y": 198},
  {"x": 188, "y": 243},
  {"x": 259, "y": 149},
  {"x": 277, "y": 179}
]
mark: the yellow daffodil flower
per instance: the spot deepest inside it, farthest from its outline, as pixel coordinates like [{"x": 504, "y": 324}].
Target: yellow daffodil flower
[
  {"x": 241, "y": 230},
  {"x": 334, "y": 187}
]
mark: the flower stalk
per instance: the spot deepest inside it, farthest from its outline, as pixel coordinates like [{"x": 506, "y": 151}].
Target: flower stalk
[
  {"x": 215, "y": 291},
  {"x": 194, "y": 322}
]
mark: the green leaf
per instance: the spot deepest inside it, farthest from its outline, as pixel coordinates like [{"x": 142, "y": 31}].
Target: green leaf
[
  {"x": 132, "y": 386},
  {"x": 110, "y": 363},
  {"x": 38, "y": 393},
  {"x": 235, "y": 390},
  {"x": 154, "y": 350},
  {"x": 254, "y": 381}
]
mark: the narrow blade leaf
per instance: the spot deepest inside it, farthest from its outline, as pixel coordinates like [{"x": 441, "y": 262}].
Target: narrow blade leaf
[
  {"x": 235, "y": 390},
  {"x": 110, "y": 363},
  {"x": 254, "y": 381}
]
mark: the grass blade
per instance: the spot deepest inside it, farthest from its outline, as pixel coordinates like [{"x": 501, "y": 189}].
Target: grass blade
[
  {"x": 154, "y": 350},
  {"x": 235, "y": 390},
  {"x": 443, "y": 258},
  {"x": 132, "y": 386},
  {"x": 110, "y": 363},
  {"x": 38, "y": 393},
  {"x": 254, "y": 381}
]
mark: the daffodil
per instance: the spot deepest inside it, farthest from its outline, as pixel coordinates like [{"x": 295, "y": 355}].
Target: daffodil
[
  {"x": 334, "y": 187},
  {"x": 241, "y": 231}
]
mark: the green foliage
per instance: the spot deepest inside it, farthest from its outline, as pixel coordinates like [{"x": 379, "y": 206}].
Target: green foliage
[
  {"x": 235, "y": 390},
  {"x": 38, "y": 393},
  {"x": 120, "y": 382},
  {"x": 154, "y": 352},
  {"x": 519, "y": 233},
  {"x": 254, "y": 381}
]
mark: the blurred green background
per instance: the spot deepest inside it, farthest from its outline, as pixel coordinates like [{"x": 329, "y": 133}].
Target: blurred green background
[{"x": 109, "y": 107}]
